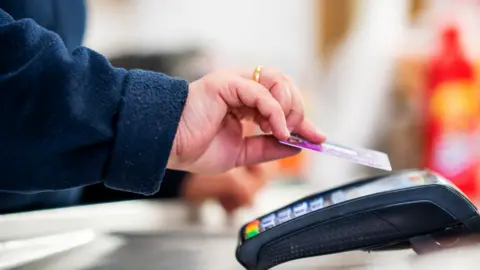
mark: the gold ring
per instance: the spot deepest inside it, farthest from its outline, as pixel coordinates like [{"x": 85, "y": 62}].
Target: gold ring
[{"x": 256, "y": 73}]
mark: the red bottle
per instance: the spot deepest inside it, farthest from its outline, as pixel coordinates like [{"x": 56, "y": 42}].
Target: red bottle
[{"x": 451, "y": 116}]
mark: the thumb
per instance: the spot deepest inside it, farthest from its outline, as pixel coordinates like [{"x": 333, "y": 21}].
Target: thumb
[{"x": 263, "y": 148}]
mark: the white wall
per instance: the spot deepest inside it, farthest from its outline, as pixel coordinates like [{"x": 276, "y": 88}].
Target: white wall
[{"x": 239, "y": 33}]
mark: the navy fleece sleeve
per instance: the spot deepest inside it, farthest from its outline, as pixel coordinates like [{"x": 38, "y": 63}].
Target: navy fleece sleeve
[{"x": 69, "y": 120}]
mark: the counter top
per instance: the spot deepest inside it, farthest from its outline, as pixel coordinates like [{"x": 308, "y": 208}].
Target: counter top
[{"x": 166, "y": 235}]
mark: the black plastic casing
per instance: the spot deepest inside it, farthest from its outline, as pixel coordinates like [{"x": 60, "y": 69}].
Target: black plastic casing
[{"x": 381, "y": 220}]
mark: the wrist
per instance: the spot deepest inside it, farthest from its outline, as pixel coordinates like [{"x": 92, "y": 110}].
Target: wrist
[{"x": 173, "y": 163}]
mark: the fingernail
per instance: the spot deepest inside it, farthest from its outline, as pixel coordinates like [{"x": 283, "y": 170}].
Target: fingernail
[
  {"x": 322, "y": 135},
  {"x": 287, "y": 133}
]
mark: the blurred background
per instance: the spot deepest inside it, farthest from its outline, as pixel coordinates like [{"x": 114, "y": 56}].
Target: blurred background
[{"x": 396, "y": 76}]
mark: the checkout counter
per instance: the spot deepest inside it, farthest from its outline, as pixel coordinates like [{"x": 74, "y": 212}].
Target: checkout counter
[{"x": 151, "y": 235}]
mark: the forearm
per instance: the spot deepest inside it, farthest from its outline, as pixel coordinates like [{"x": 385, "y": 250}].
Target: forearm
[{"x": 70, "y": 120}]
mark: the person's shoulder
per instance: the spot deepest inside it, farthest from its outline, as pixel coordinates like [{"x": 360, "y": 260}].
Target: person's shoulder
[{"x": 65, "y": 18}]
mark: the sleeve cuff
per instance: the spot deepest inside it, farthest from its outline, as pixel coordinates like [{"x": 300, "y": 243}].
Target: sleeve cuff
[{"x": 146, "y": 127}]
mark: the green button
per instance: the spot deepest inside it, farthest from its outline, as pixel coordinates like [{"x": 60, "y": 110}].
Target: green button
[{"x": 252, "y": 234}]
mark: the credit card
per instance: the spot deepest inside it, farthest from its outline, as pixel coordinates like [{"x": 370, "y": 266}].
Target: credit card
[{"x": 361, "y": 156}]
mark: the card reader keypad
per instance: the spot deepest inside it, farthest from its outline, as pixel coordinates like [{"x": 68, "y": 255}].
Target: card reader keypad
[{"x": 334, "y": 236}]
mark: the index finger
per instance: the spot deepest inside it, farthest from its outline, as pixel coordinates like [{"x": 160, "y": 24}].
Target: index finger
[{"x": 309, "y": 132}]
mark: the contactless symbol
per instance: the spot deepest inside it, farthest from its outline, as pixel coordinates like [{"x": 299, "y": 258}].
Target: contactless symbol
[{"x": 252, "y": 229}]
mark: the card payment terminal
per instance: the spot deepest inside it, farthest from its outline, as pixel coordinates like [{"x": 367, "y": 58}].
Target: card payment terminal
[{"x": 410, "y": 209}]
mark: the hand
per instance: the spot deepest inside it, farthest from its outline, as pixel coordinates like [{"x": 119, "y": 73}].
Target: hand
[
  {"x": 233, "y": 190},
  {"x": 209, "y": 137}
]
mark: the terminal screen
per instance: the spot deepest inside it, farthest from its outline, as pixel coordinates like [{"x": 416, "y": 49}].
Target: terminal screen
[{"x": 389, "y": 183}]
